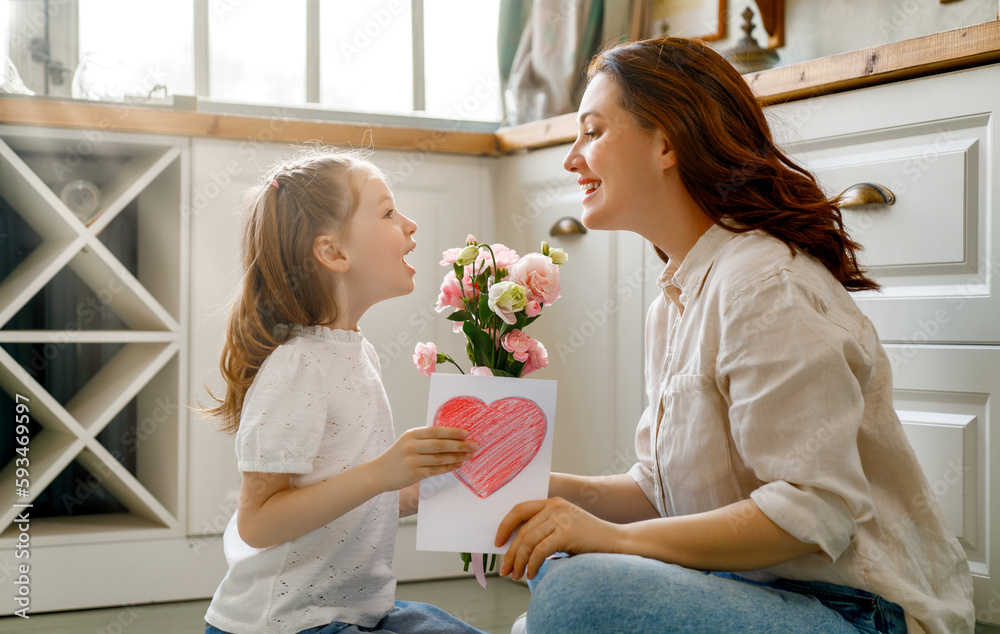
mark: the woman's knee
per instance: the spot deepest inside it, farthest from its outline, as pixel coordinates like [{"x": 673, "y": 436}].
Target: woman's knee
[{"x": 581, "y": 591}]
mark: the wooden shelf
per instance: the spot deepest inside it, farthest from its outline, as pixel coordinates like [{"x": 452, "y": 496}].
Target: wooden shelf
[{"x": 937, "y": 53}]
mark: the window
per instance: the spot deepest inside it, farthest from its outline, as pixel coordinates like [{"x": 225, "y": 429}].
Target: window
[
  {"x": 257, "y": 51},
  {"x": 366, "y": 56},
  {"x": 433, "y": 58},
  {"x": 118, "y": 57}
]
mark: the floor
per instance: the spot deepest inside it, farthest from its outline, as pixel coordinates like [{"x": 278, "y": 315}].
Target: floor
[{"x": 493, "y": 610}]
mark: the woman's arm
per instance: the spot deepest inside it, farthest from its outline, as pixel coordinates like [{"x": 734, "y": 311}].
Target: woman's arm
[
  {"x": 735, "y": 537},
  {"x": 270, "y": 513},
  {"x": 615, "y": 498}
]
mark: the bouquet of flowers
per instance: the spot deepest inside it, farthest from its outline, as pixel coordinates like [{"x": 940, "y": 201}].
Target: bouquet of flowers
[{"x": 494, "y": 294}]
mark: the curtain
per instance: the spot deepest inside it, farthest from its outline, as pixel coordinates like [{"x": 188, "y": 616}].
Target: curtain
[{"x": 545, "y": 46}]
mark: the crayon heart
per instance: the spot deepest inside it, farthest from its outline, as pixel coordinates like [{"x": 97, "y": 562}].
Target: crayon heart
[{"x": 509, "y": 433}]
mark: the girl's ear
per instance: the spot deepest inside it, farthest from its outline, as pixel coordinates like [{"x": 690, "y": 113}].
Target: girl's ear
[{"x": 328, "y": 255}]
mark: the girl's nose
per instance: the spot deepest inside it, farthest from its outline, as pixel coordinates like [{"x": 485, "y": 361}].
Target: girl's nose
[{"x": 410, "y": 226}]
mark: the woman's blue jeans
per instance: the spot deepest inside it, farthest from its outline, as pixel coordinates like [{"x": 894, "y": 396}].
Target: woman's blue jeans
[
  {"x": 625, "y": 593},
  {"x": 411, "y": 617}
]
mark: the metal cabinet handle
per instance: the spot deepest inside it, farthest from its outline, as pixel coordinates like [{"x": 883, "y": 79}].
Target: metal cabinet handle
[
  {"x": 866, "y": 194},
  {"x": 567, "y": 226}
]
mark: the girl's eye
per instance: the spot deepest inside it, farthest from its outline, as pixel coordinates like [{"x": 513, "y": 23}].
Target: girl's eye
[{"x": 389, "y": 213}]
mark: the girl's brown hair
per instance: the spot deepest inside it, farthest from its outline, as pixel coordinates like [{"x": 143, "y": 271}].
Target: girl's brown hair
[
  {"x": 297, "y": 200},
  {"x": 725, "y": 154}
]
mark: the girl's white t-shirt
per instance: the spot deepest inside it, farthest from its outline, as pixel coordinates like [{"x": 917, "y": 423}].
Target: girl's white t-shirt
[{"x": 316, "y": 408}]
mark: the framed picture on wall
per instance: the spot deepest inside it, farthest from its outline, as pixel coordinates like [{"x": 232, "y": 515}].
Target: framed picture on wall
[{"x": 695, "y": 19}]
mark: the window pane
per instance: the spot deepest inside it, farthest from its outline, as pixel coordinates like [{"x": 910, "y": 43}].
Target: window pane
[
  {"x": 366, "y": 56},
  {"x": 257, "y": 51},
  {"x": 121, "y": 55},
  {"x": 460, "y": 55}
]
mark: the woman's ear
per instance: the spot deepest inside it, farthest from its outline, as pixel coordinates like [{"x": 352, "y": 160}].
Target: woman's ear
[
  {"x": 668, "y": 158},
  {"x": 328, "y": 255}
]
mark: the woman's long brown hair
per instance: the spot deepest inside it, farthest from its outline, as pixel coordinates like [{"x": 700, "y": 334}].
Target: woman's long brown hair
[
  {"x": 725, "y": 153},
  {"x": 316, "y": 192}
]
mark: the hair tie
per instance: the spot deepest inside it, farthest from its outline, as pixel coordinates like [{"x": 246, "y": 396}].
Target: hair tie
[{"x": 274, "y": 183}]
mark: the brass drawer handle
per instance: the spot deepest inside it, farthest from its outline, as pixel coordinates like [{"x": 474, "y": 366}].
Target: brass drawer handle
[
  {"x": 866, "y": 194},
  {"x": 567, "y": 226}
]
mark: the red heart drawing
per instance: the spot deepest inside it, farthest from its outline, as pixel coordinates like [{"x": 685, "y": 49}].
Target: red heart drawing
[{"x": 509, "y": 433}]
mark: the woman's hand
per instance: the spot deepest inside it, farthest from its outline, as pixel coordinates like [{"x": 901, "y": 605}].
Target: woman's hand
[
  {"x": 420, "y": 453},
  {"x": 550, "y": 526}
]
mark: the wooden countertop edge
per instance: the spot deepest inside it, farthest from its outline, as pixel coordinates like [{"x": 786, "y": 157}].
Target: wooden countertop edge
[
  {"x": 939, "y": 52},
  {"x": 936, "y": 53},
  {"x": 124, "y": 118}
]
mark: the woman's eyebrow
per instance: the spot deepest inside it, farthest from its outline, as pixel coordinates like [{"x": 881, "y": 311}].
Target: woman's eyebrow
[{"x": 587, "y": 113}]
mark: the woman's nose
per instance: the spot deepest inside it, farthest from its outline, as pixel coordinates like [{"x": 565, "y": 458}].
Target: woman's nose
[{"x": 571, "y": 160}]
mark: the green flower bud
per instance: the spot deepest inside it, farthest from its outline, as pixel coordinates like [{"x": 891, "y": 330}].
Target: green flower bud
[{"x": 468, "y": 255}]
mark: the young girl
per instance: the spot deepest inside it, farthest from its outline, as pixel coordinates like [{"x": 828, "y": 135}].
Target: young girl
[{"x": 310, "y": 546}]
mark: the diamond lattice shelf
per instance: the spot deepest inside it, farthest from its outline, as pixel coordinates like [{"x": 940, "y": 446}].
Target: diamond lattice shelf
[{"x": 92, "y": 316}]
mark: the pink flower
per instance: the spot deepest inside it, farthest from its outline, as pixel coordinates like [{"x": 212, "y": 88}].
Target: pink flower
[
  {"x": 450, "y": 256},
  {"x": 532, "y": 308},
  {"x": 505, "y": 256},
  {"x": 538, "y": 358},
  {"x": 518, "y": 344},
  {"x": 479, "y": 370},
  {"x": 539, "y": 275},
  {"x": 425, "y": 357},
  {"x": 471, "y": 239},
  {"x": 451, "y": 293}
]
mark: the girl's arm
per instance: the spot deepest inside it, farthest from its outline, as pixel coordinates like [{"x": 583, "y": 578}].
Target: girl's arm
[
  {"x": 271, "y": 513},
  {"x": 735, "y": 537},
  {"x": 615, "y": 498}
]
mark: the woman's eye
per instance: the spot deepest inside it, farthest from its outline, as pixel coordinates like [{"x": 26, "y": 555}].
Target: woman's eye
[{"x": 590, "y": 134}]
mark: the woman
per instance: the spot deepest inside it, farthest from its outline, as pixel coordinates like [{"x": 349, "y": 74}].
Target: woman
[{"x": 770, "y": 448}]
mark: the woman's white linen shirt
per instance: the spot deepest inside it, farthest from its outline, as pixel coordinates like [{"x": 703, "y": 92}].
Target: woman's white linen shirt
[{"x": 766, "y": 381}]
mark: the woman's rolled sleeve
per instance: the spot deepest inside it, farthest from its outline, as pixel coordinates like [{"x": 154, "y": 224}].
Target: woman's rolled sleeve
[{"x": 811, "y": 515}]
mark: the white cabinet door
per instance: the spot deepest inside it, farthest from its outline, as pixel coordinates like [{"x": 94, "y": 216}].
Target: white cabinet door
[{"x": 948, "y": 398}]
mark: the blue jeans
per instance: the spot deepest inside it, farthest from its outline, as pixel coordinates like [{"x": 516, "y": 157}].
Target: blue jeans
[
  {"x": 625, "y": 593},
  {"x": 409, "y": 617}
]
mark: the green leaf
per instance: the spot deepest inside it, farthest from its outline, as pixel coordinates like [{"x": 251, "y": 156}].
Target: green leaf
[
  {"x": 480, "y": 342},
  {"x": 459, "y": 271},
  {"x": 516, "y": 368},
  {"x": 529, "y": 320},
  {"x": 459, "y": 315},
  {"x": 497, "y": 372},
  {"x": 521, "y": 321},
  {"x": 484, "y": 307}
]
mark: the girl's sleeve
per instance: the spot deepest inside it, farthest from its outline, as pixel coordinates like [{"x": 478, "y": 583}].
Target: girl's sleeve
[
  {"x": 284, "y": 414},
  {"x": 794, "y": 379}
]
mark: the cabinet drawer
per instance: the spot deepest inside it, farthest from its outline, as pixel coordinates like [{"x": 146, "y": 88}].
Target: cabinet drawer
[{"x": 933, "y": 249}]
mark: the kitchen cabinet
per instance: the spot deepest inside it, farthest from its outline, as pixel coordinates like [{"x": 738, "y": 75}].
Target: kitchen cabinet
[{"x": 933, "y": 143}]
